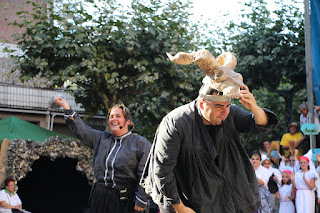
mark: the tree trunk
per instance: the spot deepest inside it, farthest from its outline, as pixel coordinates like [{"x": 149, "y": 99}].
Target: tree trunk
[{"x": 288, "y": 96}]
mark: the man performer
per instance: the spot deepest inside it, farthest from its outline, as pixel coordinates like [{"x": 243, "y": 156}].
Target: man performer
[{"x": 197, "y": 162}]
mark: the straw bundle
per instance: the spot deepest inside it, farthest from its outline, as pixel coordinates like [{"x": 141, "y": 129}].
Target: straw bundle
[{"x": 292, "y": 146}]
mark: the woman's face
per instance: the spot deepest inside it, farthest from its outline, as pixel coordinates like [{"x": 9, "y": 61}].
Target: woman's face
[
  {"x": 117, "y": 122},
  {"x": 10, "y": 187},
  {"x": 255, "y": 160},
  {"x": 286, "y": 161},
  {"x": 267, "y": 164},
  {"x": 291, "y": 161},
  {"x": 285, "y": 177},
  {"x": 304, "y": 164}
]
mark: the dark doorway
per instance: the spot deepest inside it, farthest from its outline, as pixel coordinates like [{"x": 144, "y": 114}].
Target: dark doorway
[{"x": 54, "y": 187}]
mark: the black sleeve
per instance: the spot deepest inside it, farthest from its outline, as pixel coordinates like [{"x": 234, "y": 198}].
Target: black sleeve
[
  {"x": 84, "y": 133},
  {"x": 167, "y": 147},
  {"x": 245, "y": 123}
]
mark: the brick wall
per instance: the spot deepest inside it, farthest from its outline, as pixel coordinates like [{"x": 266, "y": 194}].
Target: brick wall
[{"x": 8, "y": 9}]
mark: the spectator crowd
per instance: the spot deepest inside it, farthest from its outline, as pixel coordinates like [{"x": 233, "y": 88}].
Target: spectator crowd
[{"x": 287, "y": 175}]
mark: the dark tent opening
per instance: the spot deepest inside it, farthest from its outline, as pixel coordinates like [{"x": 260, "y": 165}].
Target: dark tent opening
[{"x": 54, "y": 187}]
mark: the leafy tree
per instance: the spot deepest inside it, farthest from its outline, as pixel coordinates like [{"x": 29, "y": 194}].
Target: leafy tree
[
  {"x": 269, "y": 46},
  {"x": 113, "y": 55},
  {"x": 270, "y": 49}
]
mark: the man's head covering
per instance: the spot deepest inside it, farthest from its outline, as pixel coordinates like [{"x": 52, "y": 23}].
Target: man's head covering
[
  {"x": 221, "y": 83},
  {"x": 294, "y": 124}
]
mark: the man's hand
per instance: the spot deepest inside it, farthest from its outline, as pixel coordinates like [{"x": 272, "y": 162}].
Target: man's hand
[
  {"x": 181, "y": 208},
  {"x": 247, "y": 98},
  {"x": 318, "y": 157},
  {"x": 185, "y": 209},
  {"x": 249, "y": 102},
  {"x": 138, "y": 208}
]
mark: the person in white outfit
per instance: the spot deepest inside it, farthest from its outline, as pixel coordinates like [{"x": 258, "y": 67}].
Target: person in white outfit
[
  {"x": 9, "y": 199},
  {"x": 262, "y": 175},
  {"x": 293, "y": 164},
  {"x": 305, "y": 118},
  {"x": 304, "y": 182},
  {"x": 274, "y": 183},
  {"x": 318, "y": 183},
  {"x": 286, "y": 194}
]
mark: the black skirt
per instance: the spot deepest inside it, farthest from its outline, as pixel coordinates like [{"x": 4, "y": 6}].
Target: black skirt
[{"x": 105, "y": 199}]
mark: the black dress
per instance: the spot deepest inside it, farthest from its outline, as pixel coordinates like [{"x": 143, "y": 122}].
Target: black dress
[{"x": 208, "y": 171}]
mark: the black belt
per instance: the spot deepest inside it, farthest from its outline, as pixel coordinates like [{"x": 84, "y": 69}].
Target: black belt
[{"x": 114, "y": 185}]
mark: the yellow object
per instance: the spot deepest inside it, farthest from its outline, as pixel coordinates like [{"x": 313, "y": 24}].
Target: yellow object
[{"x": 285, "y": 142}]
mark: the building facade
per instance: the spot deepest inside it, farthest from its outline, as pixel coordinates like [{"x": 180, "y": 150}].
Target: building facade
[{"x": 30, "y": 103}]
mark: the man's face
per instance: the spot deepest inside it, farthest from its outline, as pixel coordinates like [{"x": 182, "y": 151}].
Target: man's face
[
  {"x": 266, "y": 145},
  {"x": 293, "y": 129},
  {"x": 304, "y": 112},
  {"x": 213, "y": 113}
]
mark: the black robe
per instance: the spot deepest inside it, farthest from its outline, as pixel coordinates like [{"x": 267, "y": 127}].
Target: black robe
[{"x": 185, "y": 163}]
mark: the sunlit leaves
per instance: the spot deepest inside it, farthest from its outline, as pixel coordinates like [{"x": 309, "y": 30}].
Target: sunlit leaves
[{"x": 113, "y": 54}]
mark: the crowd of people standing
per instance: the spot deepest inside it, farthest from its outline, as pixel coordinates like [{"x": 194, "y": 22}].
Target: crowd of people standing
[
  {"x": 290, "y": 181},
  {"x": 197, "y": 162}
]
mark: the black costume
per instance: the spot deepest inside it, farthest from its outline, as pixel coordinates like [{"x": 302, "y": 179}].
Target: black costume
[
  {"x": 208, "y": 171},
  {"x": 118, "y": 164}
]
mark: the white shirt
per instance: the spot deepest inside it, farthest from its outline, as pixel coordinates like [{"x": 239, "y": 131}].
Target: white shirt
[
  {"x": 263, "y": 174},
  {"x": 305, "y": 120},
  {"x": 13, "y": 200},
  {"x": 295, "y": 168},
  {"x": 276, "y": 173}
]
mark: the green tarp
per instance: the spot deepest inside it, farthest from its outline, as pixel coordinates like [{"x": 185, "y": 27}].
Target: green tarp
[{"x": 13, "y": 128}]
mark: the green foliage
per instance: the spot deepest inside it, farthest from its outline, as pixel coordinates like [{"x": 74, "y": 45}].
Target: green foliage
[
  {"x": 117, "y": 54},
  {"x": 113, "y": 55},
  {"x": 269, "y": 46}
]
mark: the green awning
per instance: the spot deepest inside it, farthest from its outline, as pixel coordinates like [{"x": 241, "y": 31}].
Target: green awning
[{"x": 13, "y": 127}]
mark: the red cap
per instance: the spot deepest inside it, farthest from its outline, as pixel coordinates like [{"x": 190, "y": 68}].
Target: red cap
[
  {"x": 287, "y": 171},
  {"x": 304, "y": 158}
]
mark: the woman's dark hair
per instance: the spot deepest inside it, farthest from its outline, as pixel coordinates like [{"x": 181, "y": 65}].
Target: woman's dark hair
[
  {"x": 256, "y": 154},
  {"x": 126, "y": 113},
  {"x": 8, "y": 180},
  {"x": 288, "y": 183}
]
